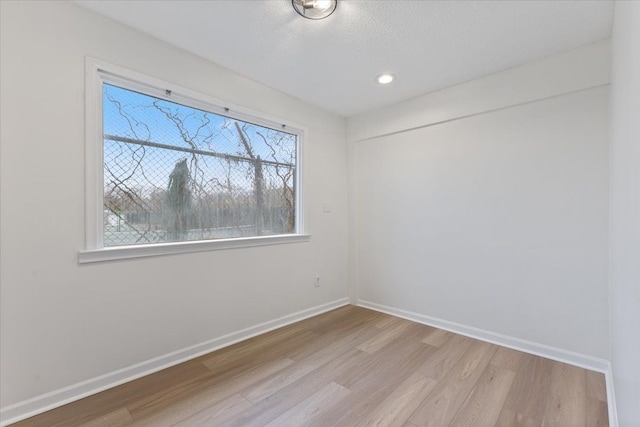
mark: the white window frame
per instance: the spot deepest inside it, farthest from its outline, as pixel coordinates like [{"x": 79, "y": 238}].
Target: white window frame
[{"x": 98, "y": 73}]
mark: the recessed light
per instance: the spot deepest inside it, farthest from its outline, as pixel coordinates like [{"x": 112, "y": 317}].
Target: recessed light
[{"x": 385, "y": 79}]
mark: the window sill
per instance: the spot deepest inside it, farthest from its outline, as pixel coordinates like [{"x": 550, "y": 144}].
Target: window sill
[{"x": 127, "y": 252}]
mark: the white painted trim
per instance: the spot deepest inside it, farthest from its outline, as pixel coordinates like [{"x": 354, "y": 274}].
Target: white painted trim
[
  {"x": 97, "y": 73},
  {"x": 45, "y": 402},
  {"x": 543, "y": 350},
  {"x": 118, "y": 72},
  {"x": 611, "y": 397},
  {"x": 126, "y": 252},
  {"x": 93, "y": 157}
]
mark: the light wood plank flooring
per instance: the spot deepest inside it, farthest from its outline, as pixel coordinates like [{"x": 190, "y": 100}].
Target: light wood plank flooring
[{"x": 351, "y": 367}]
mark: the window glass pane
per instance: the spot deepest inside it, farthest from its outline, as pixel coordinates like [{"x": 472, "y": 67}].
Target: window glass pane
[{"x": 177, "y": 173}]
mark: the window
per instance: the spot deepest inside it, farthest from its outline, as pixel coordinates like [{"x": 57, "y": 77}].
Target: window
[{"x": 176, "y": 167}]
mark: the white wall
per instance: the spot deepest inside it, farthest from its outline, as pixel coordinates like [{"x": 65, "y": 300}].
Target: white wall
[
  {"x": 625, "y": 212},
  {"x": 495, "y": 215},
  {"x": 63, "y": 323},
  {"x": 497, "y": 220}
]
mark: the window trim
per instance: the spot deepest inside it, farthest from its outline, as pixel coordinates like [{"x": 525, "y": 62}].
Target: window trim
[{"x": 97, "y": 73}]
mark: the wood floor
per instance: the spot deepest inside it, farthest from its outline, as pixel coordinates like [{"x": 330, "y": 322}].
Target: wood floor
[{"x": 351, "y": 367}]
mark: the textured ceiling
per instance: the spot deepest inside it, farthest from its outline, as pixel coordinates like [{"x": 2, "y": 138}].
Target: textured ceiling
[{"x": 332, "y": 63}]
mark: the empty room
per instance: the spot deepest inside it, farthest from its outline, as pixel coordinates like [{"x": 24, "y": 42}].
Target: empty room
[{"x": 320, "y": 213}]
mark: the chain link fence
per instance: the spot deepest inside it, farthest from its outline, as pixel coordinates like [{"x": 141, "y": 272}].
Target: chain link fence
[{"x": 176, "y": 188}]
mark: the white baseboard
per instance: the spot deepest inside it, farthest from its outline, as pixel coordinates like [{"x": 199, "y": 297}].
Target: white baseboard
[
  {"x": 611, "y": 398},
  {"x": 543, "y": 350},
  {"x": 554, "y": 353},
  {"x": 45, "y": 402}
]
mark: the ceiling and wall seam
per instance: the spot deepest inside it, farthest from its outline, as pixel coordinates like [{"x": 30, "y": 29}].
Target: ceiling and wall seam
[
  {"x": 493, "y": 110},
  {"x": 332, "y": 63}
]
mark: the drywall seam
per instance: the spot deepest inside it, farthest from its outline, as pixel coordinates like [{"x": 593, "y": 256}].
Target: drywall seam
[{"x": 480, "y": 113}]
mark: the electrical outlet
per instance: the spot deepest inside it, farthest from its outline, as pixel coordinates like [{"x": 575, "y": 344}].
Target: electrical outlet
[{"x": 317, "y": 281}]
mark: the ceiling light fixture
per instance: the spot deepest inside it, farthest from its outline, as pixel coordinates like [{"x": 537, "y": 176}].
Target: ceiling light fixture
[
  {"x": 385, "y": 79},
  {"x": 314, "y": 9}
]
